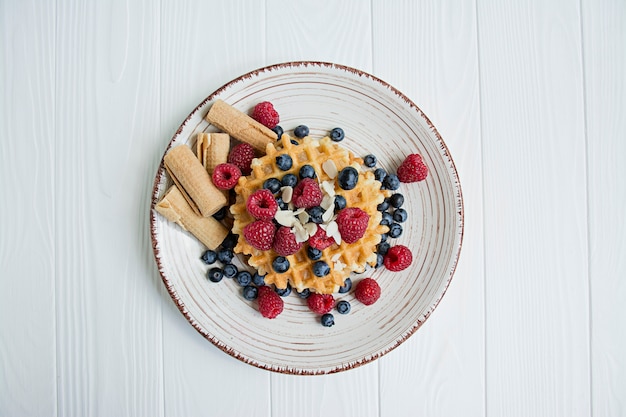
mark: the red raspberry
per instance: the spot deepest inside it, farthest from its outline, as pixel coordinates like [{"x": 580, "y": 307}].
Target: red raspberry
[
  {"x": 307, "y": 194},
  {"x": 262, "y": 205},
  {"x": 320, "y": 303},
  {"x": 367, "y": 291},
  {"x": 242, "y": 156},
  {"x": 397, "y": 258},
  {"x": 260, "y": 234},
  {"x": 352, "y": 223},
  {"x": 320, "y": 240},
  {"x": 412, "y": 169},
  {"x": 285, "y": 242},
  {"x": 265, "y": 114},
  {"x": 270, "y": 303},
  {"x": 225, "y": 176}
]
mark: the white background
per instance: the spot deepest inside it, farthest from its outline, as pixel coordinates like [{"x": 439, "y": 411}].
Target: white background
[{"x": 528, "y": 95}]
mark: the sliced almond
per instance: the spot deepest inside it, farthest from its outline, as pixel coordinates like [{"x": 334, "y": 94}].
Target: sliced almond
[
  {"x": 287, "y": 193},
  {"x": 286, "y": 218},
  {"x": 330, "y": 168}
]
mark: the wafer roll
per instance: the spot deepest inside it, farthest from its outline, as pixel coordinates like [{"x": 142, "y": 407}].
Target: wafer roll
[
  {"x": 239, "y": 125},
  {"x": 193, "y": 181},
  {"x": 213, "y": 149},
  {"x": 174, "y": 207}
]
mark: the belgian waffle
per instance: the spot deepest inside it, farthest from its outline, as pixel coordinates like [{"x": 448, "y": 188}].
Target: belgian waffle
[{"x": 344, "y": 258}]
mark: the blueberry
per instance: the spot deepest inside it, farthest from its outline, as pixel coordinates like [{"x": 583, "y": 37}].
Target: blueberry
[
  {"x": 383, "y": 248},
  {"x": 221, "y": 213},
  {"x": 294, "y": 142},
  {"x": 400, "y": 215},
  {"x": 337, "y": 134},
  {"x": 305, "y": 293},
  {"x": 348, "y": 178},
  {"x": 340, "y": 202},
  {"x": 387, "y": 219},
  {"x": 281, "y": 204},
  {"x": 395, "y": 230},
  {"x": 396, "y": 200},
  {"x": 327, "y": 320},
  {"x": 321, "y": 269},
  {"x": 315, "y": 214},
  {"x": 215, "y": 274},
  {"x": 347, "y": 285},
  {"x": 343, "y": 307},
  {"x": 230, "y": 270},
  {"x": 272, "y": 184},
  {"x": 284, "y": 162},
  {"x": 391, "y": 182},
  {"x": 383, "y": 206},
  {"x": 380, "y": 259},
  {"x": 244, "y": 278},
  {"x": 307, "y": 171},
  {"x": 230, "y": 241},
  {"x": 225, "y": 255},
  {"x": 283, "y": 292},
  {"x": 380, "y": 174},
  {"x": 250, "y": 292},
  {"x": 370, "y": 161},
  {"x": 289, "y": 180},
  {"x": 280, "y": 264},
  {"x": 209, "y": 257},
  {"x": 258, "y": 279},
  {"x": 278, "y": 130},
  {"x": 301, "y": 131},
  {"x": 313, "y": 253},
  {"x": 383, "y": 237}
]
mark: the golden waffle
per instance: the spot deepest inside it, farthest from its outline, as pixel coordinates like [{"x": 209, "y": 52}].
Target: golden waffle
[{"x": 366, "y": 196}]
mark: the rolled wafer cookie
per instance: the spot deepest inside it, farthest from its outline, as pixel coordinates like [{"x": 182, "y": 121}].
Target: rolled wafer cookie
[
  {"x": 174, "y": 207},
  {"x": 212, "y": 149},
  {"x": 193, "y": 181},
  {"x": 239, "y": 125}
]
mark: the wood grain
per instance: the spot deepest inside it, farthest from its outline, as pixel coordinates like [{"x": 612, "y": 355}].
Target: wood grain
[
  {"x": 440, "y": 367},
  {"x": 534, "y": 190},
  {"x": 604, "y": 40},
  {"x": 27, "y": 210}
]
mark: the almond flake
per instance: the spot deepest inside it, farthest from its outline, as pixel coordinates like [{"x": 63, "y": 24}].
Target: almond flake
[
  {"x": 328, "y": 214},
  {"x": 328, "y": 187},
  {"x": 300, "y": 233},
  {"x": 285, "y": 218},
  {"x": 327, "y": 202},
  {"x": 311, "y": 228},
  {"x": 304, "y": 217},
  {"x": 330, "y": 168},
  {"x": 287, "y": 193}
]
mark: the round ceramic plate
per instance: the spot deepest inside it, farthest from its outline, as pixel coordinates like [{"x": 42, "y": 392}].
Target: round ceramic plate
[{"x": 377, "y": 119}]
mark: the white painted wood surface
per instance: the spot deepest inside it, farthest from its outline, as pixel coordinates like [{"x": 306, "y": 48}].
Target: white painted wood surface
[{"x": 529, "y": 96}]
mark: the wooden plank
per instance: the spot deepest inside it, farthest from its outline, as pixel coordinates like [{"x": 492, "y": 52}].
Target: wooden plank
[
  {"x": 537, "y": 316},
  {"x": 203, "y": 46},
  {"x": 27, "y": 230},
  {"x": 108, "y": 306},
  {"x": 441, "y": 367},
  {"x": 604, "y": 43}
]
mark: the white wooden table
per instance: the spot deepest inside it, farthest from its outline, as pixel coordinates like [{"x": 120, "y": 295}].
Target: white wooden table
[{"x": 528, "y": 95}]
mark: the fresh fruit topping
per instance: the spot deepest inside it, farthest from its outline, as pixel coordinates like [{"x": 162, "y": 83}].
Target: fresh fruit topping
[
  {"x": 258, "y": 279},
  {"x": 225, "y": 255},
  {"x": 301, "y": 131},
  {"x": 260, "y": 234},
  {"x": 315, "y": 214},
  {"x": 270, "y": 303},
  {"x": 340, "y": 202},
  {"x": 242, "y": 156},
  {"x": 289, "y": 180},
  {"x": 209, "y": 257},
  {"x": 262, "y": 205},
  {"x": 400, "y": 215},
  {"x": 304, "y": 294},
  {"x": 412, "y": 169},
  {"x": 278, "y": 130},
  {"x": 307, "y": 171},
  {"x": 367, "y": 291},
  {"x": 215, "y": 274},
  {"x": 284, "y": 162},
  {"x": 283, "y": 292},
  {"x": 230, "y": 241},
  {"x": 320, "y": 240},
  {"x": 244, "y": 278},
  {"x": 383, "y": 248},
  {"x": 343, "y": 307},
  {"x": 387, "y": 219},
  {"x": 347, "y": 285},
  {"x": 391, "y": 182},
  {"x": 320, "y": 303},
  {"x": 370, "y": 160},
  {"x": 321, "y": 269},
  {"x": 230, "y": 270},
  {"x": 380, "y": 260},
  {"x": 380, "y": 174},
  {"x": 314, "y": 254},
  {"x": 265, "y": 114},
  {"x": 327, "y": 320},
  {"x": 398, "y": 257},
  {"x": 337, "y": 134},
  {"x": 285, "y": 242},
  {"x": 250, "y": 292},
  {"x": 383, "y": 206},
  {"x": 395, "y": 230},
  {"x": 225, "y": 176},
  {"x": 272, "y": 184},
  {"x": 280, "y": 264},
  {"x": 396, "y": 200},
  {"x": 352, "y": 223},
  {"x": 348, "y": 178},
  {"x": 307, "y": 194},
  {"x": 221, "y": 213}
]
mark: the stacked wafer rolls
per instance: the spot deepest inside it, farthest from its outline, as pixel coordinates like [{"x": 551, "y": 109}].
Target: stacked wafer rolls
[{"x": 212, "y": 149}]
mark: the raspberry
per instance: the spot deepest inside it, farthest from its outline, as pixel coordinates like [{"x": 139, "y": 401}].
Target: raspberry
[
  {"x": 307, "y": 194},
  {"x": 242, "y": 156},
  {"x": 397, "y": 258},
  {"x": 270, "y": 303},
  {"x": 260, "y": 234},
  {"x": 225, "y": 176},
  {"x": 262, "y": 205},
  {"x": 320, "y": 303},
  {"x": 367, "y": 291},
  {"x": 265, "y": 114},
  {"x": 412, "y": 169},
  {"x": 320, "y": 240},
  {"x": 285, "y": 242},
  {"x": 352, "y": 223}
]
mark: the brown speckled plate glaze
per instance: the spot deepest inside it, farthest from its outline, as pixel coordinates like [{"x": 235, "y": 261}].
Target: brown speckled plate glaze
[{"x": 377, "y": 119}]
